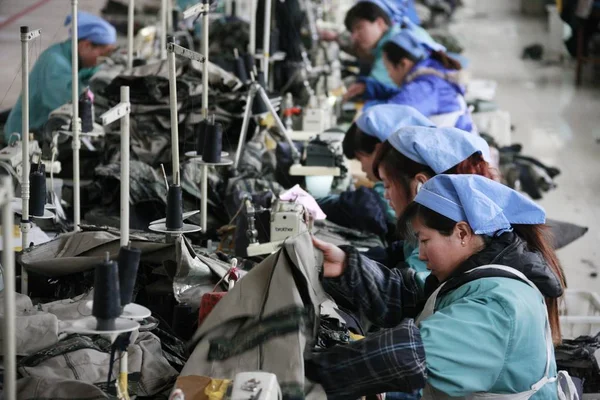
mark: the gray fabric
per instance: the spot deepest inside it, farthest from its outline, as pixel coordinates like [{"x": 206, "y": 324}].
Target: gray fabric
[
  {"x": 564, "y": 233},
  {"x": 34, "y": 330},
  {"x": 90, "y": 366},
  {"x": 287, "y": 279},
  {"x": 38, "y": 388}
]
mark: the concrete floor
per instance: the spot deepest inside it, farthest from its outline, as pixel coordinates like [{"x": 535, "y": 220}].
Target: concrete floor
[{"x": 554, "y": 120}]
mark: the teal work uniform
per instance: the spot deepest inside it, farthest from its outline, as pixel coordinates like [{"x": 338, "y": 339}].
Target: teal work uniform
[
  {"x": 50, "y": 83},
  {"x": 506, "y": 315}
]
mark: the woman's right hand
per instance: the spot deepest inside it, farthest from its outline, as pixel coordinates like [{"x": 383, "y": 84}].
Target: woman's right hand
[
  {"x": 334, "y": 262},
  {"x": 354, "y": 90}
]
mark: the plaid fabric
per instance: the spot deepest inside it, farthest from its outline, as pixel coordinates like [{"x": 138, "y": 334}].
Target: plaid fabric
[
  {"x": 389, "y": 360},
  {"x": 392, "y": 360},
  {"x": 384, "y": 296}
]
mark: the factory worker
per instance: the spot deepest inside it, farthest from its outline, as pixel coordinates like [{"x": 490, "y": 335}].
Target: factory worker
[
  {"x": 50, "y": 79},
  {"x": 485, "y": 331},
  {"x": 372, "y": 128},
  {"x": 426, "y": 78},
  {"x": 409, "y": 158},
  {"x": 371, "y": 24}
]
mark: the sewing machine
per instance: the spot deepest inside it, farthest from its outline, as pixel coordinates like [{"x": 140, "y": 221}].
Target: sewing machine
[
  {"x": 12, "y": 155},
  {"x": 288, "y": 219}
]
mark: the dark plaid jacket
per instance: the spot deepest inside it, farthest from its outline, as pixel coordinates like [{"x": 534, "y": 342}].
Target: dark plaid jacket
[{"x": 391, "y": 360}]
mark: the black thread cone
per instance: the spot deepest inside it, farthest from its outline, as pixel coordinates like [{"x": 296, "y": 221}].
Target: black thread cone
[
  {"x": 174, "y": 208},
  {"x": 240, "y": 70},
  {"x": 107, "y": 299},
  {"x": 249, "y": 63},
  {"x": 200, "y": 135},
  {"x": 213, "y": 143},
  {"x": 37, "y": 199},
  {"x": 86, "y": 113},
  {"x": 129, "y": 261}
]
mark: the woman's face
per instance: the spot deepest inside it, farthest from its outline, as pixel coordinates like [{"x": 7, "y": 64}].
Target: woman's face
[
  {"x": 395, "y": 193},
  {"x": 397, "y": 72},
  {"x": 366, "y": 164},
  {"x": 443, "y": 254}
]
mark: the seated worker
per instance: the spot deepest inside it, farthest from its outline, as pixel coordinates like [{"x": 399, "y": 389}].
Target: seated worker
[
  {"x": 486, "y": 331},
  {"x": 370, "y": 130},
  {"x": 409, "y": 158},
  {"x": 50, "y": 79},
  {"x": 427, "y": 80},
  {"x": 372, "y": 23}
]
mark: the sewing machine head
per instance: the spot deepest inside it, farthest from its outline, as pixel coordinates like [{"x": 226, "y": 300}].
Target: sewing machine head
[{"x": 288, "y": 219}]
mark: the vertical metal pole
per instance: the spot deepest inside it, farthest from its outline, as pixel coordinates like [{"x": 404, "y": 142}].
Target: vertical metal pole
[
  {"x": 203, "y": 204},
  {"x": 174, "y": 116},
  {"x": 170, "y": 27},
  {"x": 252, "y": 44},
  {"x": 205, "y": 46},
  {"x": 130, "y": 28},
  {"x": 25, "y": 224},
  {"x": 205, "y": 30},
  {"x": 123, "y": 380},
  {"x": 163, "y": 30},
  {"x": 245, "y": 122},
  {"x": 267, "y": 40},
  {"x": 75, "y": 98},
  {"x": 125, "y": 170},
  {"x": 8, "y": 263}
]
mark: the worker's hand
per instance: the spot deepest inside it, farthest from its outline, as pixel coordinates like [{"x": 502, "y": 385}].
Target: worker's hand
[
  {"x": 328, "y": 36},
  {"x": 356, "y": 89},
  {"x": 334, "y": 262}
]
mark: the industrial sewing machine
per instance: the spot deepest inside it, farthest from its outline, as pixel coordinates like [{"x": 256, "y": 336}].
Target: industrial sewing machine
[{"x": 287, "y": 219}]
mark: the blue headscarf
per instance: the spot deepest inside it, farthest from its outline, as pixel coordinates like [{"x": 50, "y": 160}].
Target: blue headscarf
[
  {"x": 487, "y": 206},
  {"x": 383, "y": 120},
  {"x": 416, "y": 44},
  {"x": 93, "y": 28},
  {"x": 395, "y": 9},
  {"x": 438, "y": 148}
]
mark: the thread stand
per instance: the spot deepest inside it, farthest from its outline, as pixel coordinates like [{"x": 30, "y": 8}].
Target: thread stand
[
  {"x": 9, "y": 358},
  {"x": 254, "y": 89},
  {"x": 76, "y": 143},
  {"x": 26, "y": 37}
]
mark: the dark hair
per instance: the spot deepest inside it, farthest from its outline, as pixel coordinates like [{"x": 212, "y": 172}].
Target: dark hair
[
  {"x": 356, "y": 141},
  {"x": 365, "y": 10},
  {"x": 537, "y": 237},
  {"x": 395, "y": 54},
  {"x": 397, "y": 166},
  {"x": 474, "y": 165}
]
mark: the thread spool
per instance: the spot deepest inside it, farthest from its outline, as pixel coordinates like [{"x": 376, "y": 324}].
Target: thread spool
[
  {"x": 240, "y": 67},
  {"x": 200, "y": 132},
  {"x": 37, "y": 180},
  {"x": 86, "y": 111},
  {"x": 249, "y": 62},
  {"x": 213, "y": 143},
  {"x": 174, "y": 208},
  {"x": 129, "y": 261},
  {"x": 107, "y": 300}
]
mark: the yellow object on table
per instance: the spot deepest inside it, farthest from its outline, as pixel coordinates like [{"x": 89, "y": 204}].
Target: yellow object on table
[
  {"x": 217, "y": 388},
  {"x": 196, "y": 387}
]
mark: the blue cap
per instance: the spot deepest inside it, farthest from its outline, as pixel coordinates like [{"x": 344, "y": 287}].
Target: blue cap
[
  {"x": 408, "y": 41},
  {"x": 93, "y": 28},
  {"x": 487, "y": 206},
  {"x": 395, "y": 9},
  {"x": 382, "y": 120},
  {"x": 438, "y": 148}
]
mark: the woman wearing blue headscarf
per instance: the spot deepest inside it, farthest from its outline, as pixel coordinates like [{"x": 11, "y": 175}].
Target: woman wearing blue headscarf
[
  {"x": 426, "y": 78},
  {"x": 50, "y": 79},
  {"x": 487, "y": 327}
]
